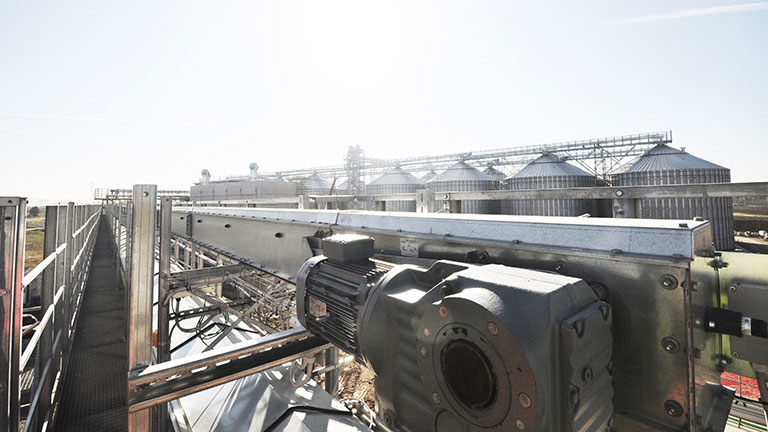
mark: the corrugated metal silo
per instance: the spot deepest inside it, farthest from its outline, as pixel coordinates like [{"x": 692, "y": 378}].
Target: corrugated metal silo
[
  {"x": 550, "y": 172},
  {"x": 496, "y": 174},
  {"x": 461, "y": 177},
  {"x": 664, "y": 165},
  {"x": 341, "y": 188},
  {"x": 315, "y": 185},
  {"x": 394, "y": 181}
]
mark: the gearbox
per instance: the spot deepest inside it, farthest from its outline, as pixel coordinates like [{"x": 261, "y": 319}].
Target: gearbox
[{"x": 461, "y": 347}]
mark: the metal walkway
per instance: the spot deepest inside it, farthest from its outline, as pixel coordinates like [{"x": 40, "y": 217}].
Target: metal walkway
[{"x": 94, "y": 388}]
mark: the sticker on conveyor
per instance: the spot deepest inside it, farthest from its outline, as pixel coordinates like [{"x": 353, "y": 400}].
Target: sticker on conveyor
[
  {"x": 409, "y": 247},
  {"x": 317, "y": 308}
]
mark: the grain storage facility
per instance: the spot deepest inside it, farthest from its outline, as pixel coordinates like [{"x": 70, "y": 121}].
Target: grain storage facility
[
  {"x": 315, "y": 185},
  {"x": 496, "y": 174},
  {"x": 462, "y": 177},
  {"x": 549, "y": 172},
  {"x": 664, "y": 165},
  {"x": 395, "y": 181}
]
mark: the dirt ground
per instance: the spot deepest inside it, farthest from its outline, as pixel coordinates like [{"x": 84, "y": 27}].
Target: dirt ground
[
  {"x": 357, "y": 382},
  {"x": 33, "y": 252}
]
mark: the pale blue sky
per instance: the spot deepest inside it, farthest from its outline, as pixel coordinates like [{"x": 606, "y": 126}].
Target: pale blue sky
[{"x": 115, "y": 93}]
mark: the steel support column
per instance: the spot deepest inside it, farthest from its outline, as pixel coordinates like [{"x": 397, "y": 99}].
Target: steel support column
[
  {"x": 69, "y": 253},
  {"x": 163, "y": 333},
  {"x": 47, "y": 293},
  {"x": 141, "y": 286},
  {"x": 12, "y": 234},
  {"x": 332, "y": 376}
]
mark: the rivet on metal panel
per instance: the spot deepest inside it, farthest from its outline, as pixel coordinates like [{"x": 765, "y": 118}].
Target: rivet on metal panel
[
  {"x": 560, "y": 266},
  {"x": 447, "y": 289},
  {"x": 443, "y": 312},
  {"x": 668, "y": 281},
  {"x": 3, "y": 292},
  {"x": 493, "y": 329},
  {"x": 482, "y": 256},
  {"x": 423, "y": 351},
  {"x": 619, "y": 192},
  {"x": 736, "y": 354},
  {"x": 426, "y": 332},
  {"x": 732, "y": 288},
  {"x": 673, "y": 408},
  {"x": 670, "y": 344},
  {"x": 435, "y": 397},
  {"x": 616, "y": 251},
  {"x": 520, "y": 425},
  {"x": 525, "y": 400}
]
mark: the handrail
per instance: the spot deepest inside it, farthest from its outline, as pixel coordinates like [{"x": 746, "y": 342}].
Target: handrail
[
  {"x": 74, "y": 234},
  {"x": 38, "y": 270},
  {"x": 63, "y": 283},
  {"x": 38, "y": 331},
  {"x": 82, "y": 249}
]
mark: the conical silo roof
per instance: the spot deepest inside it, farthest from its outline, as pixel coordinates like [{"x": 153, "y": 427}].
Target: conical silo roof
[
  {"x": 549, "y": 165},
  {"x": 462, "y": 171},
  {"x": 315, "y": 182},
  {"x": 665, "y": 158},
  {"x": 396, "y": 176},
  {"x": 493, "y": 172}
]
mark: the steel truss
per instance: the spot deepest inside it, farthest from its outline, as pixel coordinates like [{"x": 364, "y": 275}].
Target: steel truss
[{"x": 598, "y": 156}]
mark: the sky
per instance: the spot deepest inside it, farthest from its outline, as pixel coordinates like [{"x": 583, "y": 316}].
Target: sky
[{"x": 111, "y": 94}]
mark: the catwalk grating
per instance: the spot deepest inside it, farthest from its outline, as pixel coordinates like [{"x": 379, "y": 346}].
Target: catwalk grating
[{"x": 94, "y": 388}]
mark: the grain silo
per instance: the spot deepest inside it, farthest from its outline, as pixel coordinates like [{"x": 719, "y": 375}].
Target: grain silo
[
  {"x": 340, "y": 187},
  {"x": 663, "y": 165},
  {"x": 396, "y": 181},
  {"x": 496, "y": 174},
  {"x": 549, "y": 172},
  {"x": 315, "y": 185},
  {"x": 461, "y": 177}
]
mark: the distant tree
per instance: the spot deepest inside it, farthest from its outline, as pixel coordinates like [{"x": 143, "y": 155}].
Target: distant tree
[{"x": 34, "y": 211}]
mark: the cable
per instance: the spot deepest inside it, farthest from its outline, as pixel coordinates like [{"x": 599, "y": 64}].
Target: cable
[{"x": 177, "y": 320}]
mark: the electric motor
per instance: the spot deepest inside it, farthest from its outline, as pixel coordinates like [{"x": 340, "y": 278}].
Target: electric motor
[{"x": 461, "y": 347}]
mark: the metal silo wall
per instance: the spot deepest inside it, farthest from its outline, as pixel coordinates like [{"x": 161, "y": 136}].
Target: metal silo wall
[
  {"x": 719, "y": 211},
  {"x": 468, "y": 206},
  {"x": 395, "y": 206},
  {"x": 549, "y": 207}
]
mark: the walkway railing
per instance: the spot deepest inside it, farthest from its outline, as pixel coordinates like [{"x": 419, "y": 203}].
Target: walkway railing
[{"x": 70, "y": 234}]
